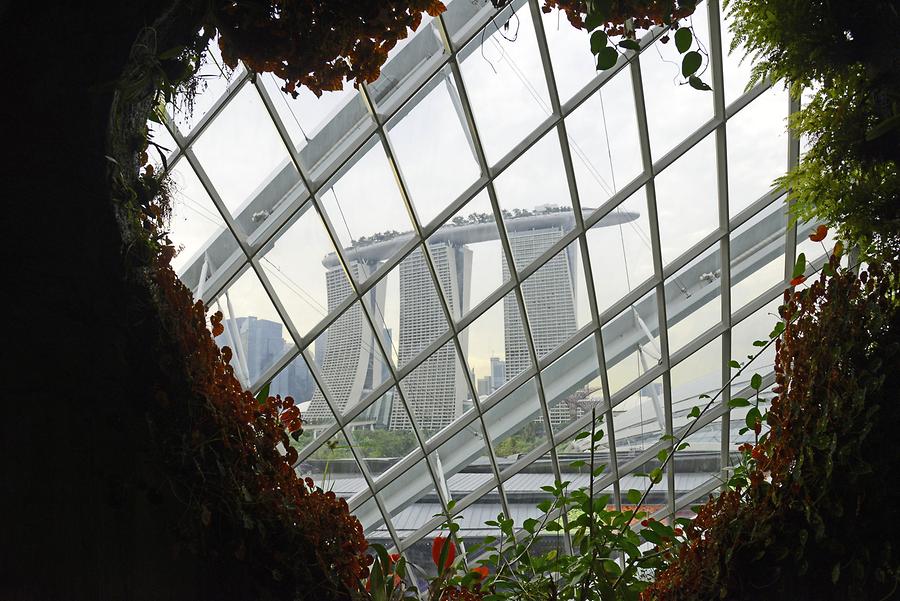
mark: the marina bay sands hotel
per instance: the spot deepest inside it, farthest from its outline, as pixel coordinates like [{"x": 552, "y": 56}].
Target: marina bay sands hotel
[{"x": 436, "y": 390}]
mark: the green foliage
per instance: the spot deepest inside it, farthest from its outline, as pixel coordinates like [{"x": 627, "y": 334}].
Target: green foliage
[
  {"x": 845, "y": 55},
  {"x": 811, "y": 511}
]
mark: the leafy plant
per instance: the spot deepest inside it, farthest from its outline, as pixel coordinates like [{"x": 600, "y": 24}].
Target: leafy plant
[
  {"x": 844, "y": 56},
  {"x": 809, "y": 513}
]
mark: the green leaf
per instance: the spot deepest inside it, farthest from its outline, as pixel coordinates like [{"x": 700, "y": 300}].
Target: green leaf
[
  {"x": 777, "y": 330},
  {"x": 738, "y": 402},
  {"x": 581, "y": 435},
  {"x": 577, "y": 463},
  {"x": 695, "y": 412},
  {"x": 734, "y": 364},
  {"x": 599, "y": 41},
  {"x": 667, "y": 437},
  {"x": 543, "y": 506},
  {"x": 593, "y": 21},
  {"x": 698, "y": 84},
  {"x": 599, "y": 470},
  {"x": 683, "y": 446},
  {"x": 760, "y": 343},
  {"x": 756, "y": 382},
  {"x": 663, "y": 455},
  {"x": 530, "y": 524},
  {"x": 263, "y": 394},
  {"x": 633, "y": 496},
  {"x": 800, "y": 266},
  {"x": 655, "y": 475},
  {"x": 630, "y": 45},
  {"x": 683, "y": 39},
  {"x": 607, "y": 58},
  {"x": 690, "y": 63},
  {"x": 753, "y": 416}
]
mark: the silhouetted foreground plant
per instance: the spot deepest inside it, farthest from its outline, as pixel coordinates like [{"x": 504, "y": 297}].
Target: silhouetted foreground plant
[{"x": 813, "y": 512}]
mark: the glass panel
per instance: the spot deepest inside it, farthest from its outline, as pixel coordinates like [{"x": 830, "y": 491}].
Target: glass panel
[
  {"x": 295, "y": 381},
  {"x": 436, "y": 155},
  {"x": 352, "y": 366},
  {"x": 552, "y": 295},
  {"x": 627, "y": 349},
  {"x": 464, "y": 454},
  {"x": 410, "y": 307},
  {"x": 701, "y": 373},
  {"x": 757, "y": 254},
  {"x": 305, "y": 271},
  {"x": 755, "y": 327},
  {"x": 621, "y": 254},
  {"x": 736, "y": 67},
  {"x": 694, "y": 298},
  {"x": 639, "y": 423},
  {"x": 534, "y": 200},
  {"x": 320, "y": 122},
  {"x": 516, "y": 424},
  {"x": 410, "y": 62},
  {"x": 573, "y": 64},
  {"x": 246, "y": 160},
  {"x": 196, "y": 228},
  {"x": 367, "y": 211},
  {"x": 606, "y": 151},
  {"x": 214, "y": 78},
  {"x": 466, "y": 254},
  {"x": 405, "y": 489},
  {"x": 379, "y": 445},
  {"x": 436, "y": 392},
  {"x": 505, "y": 82},
  {"x": 673, "y": 110},
  {"x": 496, "y": 344},
  {"x": 253, "y": 329},
  {"x": 370, "y": 518},
  {"x": 572, "y": 384},
  {"x": 757, "y": 148},
  {"x": 686, "y": 199},
  {"x": 333, "y": 467}
]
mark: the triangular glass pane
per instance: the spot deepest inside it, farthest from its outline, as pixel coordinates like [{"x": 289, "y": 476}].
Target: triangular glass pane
[
  {"x": 196, "y": 228},
  {"x": 534, "y": 200},
  {"x": 246, "y": 160},
  {"x": 572, "y": 384},
  {"x": 516, "y": 424},
  {"x": 621, "y": 253},
  {"x": 639, "y": 422},
  {"x": 556, "y": 300},
  {"x": 253, "y": 329},
  {"x": 687, "y": 199},
  {"x": 436, "y": 156},
  {"x": 694, "y": 298},
  {"x": 603, "y": 140},
  {"x": 305, "y": 271},
  {"x": 377, "y": 445},
  {"x": 505, "y": 81},
  {"x": 351, "y": 364},
  {"x": 628, "y": 349},
  {"x": 466, "y": 253},
  {"x": 333, "y": 467},
  {"x": 366, "y": 210},
  {"x": 495, "y": 343},
  {"x": 435, "y": 391},
  {"x": 406, "y": 488}
]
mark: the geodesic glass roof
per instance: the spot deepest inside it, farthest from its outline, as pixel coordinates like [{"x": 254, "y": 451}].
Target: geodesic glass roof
[{"x": 453, "y": 268}]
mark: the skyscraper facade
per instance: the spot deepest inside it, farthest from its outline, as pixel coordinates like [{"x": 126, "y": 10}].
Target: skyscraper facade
[
  {"x": 436, "y": 389},
  {"x": 549, "y": 296}
]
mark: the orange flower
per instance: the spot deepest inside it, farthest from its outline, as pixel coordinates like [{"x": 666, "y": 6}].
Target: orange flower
[
  {"x": 819, "y": 234},
  {"x": 480, "y": 572}
]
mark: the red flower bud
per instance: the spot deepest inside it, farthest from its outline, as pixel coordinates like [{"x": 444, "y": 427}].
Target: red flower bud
[{"x": 436, "y": 550}]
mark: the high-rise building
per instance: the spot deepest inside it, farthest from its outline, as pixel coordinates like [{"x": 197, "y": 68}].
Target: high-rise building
[
  {"x": 435, "y": 390},
  {"x": 351, "y": 364},
  {"x": 485, "y": 386},
  {"x": 549, "y": 295},
  {"x": 498, "y": 373}
]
